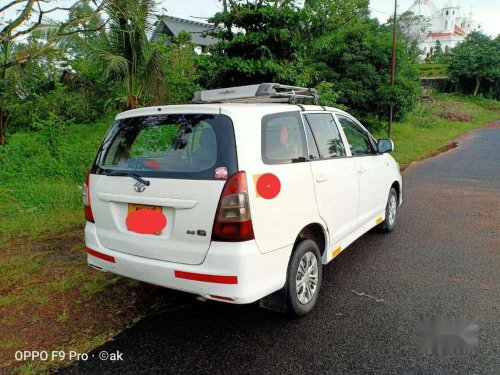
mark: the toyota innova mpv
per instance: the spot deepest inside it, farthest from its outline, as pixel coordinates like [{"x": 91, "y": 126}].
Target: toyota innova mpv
[{"x": 241, "y": 197}]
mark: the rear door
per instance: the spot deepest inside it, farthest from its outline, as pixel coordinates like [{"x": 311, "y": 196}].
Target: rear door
[
  {"x": 371, "y": 168},
  {"x": 335, "y": 178},
  {"x": 186, "y": 158}
]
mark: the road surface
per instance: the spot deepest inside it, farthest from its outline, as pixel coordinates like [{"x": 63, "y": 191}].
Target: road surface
[{"x": 443, "y": 258}]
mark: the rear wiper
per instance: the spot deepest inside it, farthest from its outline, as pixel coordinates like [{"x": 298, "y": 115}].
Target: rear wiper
[{"x": 133, "y": 175}]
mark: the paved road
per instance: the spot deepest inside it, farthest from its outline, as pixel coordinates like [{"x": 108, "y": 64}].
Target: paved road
[{"x": 442, "y": 259}]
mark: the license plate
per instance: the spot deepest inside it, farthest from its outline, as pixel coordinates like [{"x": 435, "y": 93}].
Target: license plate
[{"x": 136, "y": 207}]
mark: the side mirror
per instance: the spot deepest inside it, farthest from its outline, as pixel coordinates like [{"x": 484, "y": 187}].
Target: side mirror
[{"x": 385, "y": 145}]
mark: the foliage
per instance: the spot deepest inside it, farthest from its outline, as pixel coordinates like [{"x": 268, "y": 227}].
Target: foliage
[
  {"x": 328, "y": 96},
  {"x": 179, "y": 75},
  {"x": 121, "y": 50},
  {"x": 40, "y": 190},
  {"x": 358, "y": 61},
  {"x": 51, "y": 131},
  {"x": 475, "y": 63},
  {"x": 327, "y": 41},
  {"x": 256, "y": 43},
  {"x": 411, "y": 31}
]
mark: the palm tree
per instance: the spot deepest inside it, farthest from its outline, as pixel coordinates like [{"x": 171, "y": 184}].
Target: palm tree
[{"x": 121, "y": 46}]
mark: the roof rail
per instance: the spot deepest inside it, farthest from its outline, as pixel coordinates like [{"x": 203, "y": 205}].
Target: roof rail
[{"x": 262, "y": 93}]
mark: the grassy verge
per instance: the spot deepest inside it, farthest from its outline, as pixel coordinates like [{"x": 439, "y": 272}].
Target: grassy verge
[
  {"x": 40, "y": 188},
  {"x": 434, "y": 124},
  {"x": 429, "y": 70},
  {"x": 44, "y": 280}
]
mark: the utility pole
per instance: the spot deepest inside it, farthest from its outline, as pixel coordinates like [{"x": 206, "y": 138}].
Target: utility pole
[{"x": 393, "y": 65}]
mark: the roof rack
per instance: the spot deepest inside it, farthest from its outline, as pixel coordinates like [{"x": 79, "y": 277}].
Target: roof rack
[{"x": 262, "y": 93}]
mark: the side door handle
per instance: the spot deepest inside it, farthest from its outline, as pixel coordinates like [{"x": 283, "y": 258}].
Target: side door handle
[
  {"x": 321, "y": 178},
  {"x": 361, "y": 170}
]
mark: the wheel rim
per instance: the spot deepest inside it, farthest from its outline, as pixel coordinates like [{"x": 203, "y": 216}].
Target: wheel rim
[
  {"x": 392, "y": 210},
  {"x": 307, "y": 278}
]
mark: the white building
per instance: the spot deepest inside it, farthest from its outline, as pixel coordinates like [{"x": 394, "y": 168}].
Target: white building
[{"x": 447, "y": 23}]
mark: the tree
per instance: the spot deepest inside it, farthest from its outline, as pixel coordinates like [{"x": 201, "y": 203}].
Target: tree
[
  {"x": 122, "y": 49},
  {"x": 266, "y": 40},
  {"x": 412, "y": 29},
  {"x": 437, "y": 55},
  {"x": 176, "y": 82},
  {"x": 257, "y": 42},
  {"x": 31, "y": 21},
  {"x": 330, "y": 43},
  {"x": 477, "y": 58},
  {"x": 358, "y": 63}
]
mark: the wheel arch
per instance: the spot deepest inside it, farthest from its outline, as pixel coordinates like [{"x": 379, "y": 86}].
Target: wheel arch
[
  {"x": 315, "y": 232},
  {"x": 396, "y": 185}
]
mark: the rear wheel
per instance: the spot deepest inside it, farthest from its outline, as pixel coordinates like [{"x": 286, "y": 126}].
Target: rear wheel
[
  {"x": 391, "y": 211},
  {"x": 304, "y": 278}
]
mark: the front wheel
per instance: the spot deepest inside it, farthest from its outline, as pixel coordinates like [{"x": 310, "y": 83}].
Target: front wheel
[
  {"x": 391, "y": 211},
  {"x": 303, "y": 278}
]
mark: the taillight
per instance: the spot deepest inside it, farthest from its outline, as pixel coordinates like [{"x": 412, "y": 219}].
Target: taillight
[
  {"x": 87, "y": 209},
  {"x": 233, "y": 221}
]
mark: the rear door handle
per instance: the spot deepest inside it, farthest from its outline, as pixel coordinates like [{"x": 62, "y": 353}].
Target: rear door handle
[
  {"x": 361, "y": 170},
  {"x": 321, "y": 178}
]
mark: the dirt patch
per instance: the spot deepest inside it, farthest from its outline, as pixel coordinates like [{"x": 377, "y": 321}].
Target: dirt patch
[
  {"x": 50, "y": 299},
  {"x": 493, "y": 124},
  {"x": 452, "y": 112}
]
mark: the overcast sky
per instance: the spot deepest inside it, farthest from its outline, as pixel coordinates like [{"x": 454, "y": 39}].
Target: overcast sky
[{"x": 487, "y": 12}]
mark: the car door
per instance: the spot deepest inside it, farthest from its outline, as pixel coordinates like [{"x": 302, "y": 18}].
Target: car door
[
  {"x": 370, "y": 167},
  {"x": 335, "y": 178}
]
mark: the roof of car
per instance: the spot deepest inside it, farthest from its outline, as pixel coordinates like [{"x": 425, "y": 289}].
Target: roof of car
[{"x": 222, "y": 108}]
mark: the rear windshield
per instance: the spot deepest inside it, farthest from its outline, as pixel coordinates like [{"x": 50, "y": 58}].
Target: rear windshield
[{"x": 185, "y": 146}]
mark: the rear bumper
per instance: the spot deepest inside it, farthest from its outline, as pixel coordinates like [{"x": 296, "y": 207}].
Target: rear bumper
[{"x": 238, "y": 272}]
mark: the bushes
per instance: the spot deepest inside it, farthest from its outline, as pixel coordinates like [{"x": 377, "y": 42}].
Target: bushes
[{"x": 39, "y": 187}]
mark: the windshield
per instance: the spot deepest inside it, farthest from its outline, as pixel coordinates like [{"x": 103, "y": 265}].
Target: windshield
[{"x": 190, "y": 146}]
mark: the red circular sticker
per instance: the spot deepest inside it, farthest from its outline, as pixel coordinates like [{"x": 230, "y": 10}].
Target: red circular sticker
[
  {"x": 268, "y": 186},
  {"x": 146, "y": 221}
]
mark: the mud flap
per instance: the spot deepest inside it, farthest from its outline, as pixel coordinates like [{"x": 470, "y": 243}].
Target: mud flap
[{"x": 276, "y": 301}]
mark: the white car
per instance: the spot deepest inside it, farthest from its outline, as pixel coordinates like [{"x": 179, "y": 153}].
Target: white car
[{"x": 241, "y": 198}]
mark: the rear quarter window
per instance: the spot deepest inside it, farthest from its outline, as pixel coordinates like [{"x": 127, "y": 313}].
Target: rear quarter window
[
  {"x": 190, "y": 146},
  {"x": 283, "y": 139}
]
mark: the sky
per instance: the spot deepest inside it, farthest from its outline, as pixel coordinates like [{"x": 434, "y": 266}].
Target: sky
[{"x": 487, "y": 12}]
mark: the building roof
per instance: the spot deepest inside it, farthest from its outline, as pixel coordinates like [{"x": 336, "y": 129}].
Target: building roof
[{"x": 174, "y": 26}]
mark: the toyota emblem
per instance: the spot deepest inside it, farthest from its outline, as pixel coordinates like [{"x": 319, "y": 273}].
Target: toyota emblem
[{"x": 139, "y": 187}]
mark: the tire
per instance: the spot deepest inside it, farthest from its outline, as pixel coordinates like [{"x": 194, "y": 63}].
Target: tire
[
  {"x": 391, "y": 210},
  {"x": 300, "y": 302}
]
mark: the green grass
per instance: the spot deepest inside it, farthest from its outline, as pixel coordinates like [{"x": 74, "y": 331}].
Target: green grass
[
  {"x": 427, "y": 128},
  {"x": 427, "y": 70},
  {"x": 97, "y": 283},
  {"x": 7, "y": 300},
  {"x": 40, "y": 193}
]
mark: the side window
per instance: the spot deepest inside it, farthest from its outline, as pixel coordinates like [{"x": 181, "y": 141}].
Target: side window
[
  {"x": 358, "y": 138},
  {"x": 283, "y": 139},
  {"x": 326, "y": 135}
]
